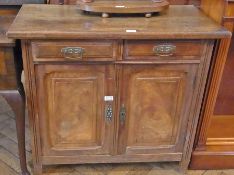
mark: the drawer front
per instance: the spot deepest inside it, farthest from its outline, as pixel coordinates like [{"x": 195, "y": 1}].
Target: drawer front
[
  {"x": 165, "y": 49},
  {"x": 105, "y": 50}
]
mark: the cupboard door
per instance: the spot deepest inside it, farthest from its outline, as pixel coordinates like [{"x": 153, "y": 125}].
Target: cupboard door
[
  {"x": 155, "y": 103},
  {"x": 72, "y": 111}
]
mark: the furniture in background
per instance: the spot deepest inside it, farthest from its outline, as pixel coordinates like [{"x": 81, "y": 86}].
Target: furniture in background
[
  {"x": 10, "y": 87},
  {"x": 20, "y": 2},
  {"x": 214, "y": 146},
  {"x": 100, "y": 91},
  {"x": 11, "y": 66}
]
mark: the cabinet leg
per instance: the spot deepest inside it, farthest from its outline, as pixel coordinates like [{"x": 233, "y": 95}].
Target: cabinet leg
[{"x": 16, "y": 100}]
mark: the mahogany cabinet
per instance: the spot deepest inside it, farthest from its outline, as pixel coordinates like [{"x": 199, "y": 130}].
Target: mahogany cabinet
[
  {"x": 98, "y": 93},
  {"x": 123, "y": 110},
  {"x": 214, "y": 146}
]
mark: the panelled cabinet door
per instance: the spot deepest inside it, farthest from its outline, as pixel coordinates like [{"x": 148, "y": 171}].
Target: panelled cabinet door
[
  {"x": 154, "y": 108},
  {"x": 72, "y": 109}
]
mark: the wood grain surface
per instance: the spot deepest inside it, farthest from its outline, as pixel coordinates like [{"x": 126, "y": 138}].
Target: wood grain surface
[
  {"x": 61, "y": 22},
  {"x": 214, "y": 146},
  {"x": 94, "y": 50},
  {"x": 122, "y": 6},
  {"x": 172, "y": 2},
  {"x": 9, "y": 160},
  {"x": 166, "y": 93},
  {"x": 7, "y": 64}
]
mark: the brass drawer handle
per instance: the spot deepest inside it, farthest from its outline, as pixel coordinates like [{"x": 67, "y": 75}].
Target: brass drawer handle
[
  {"x": 73, "y": 53},
  {"x": 164, "y": 50}
]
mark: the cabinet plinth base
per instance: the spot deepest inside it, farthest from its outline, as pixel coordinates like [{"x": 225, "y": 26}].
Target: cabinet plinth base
[{"x": 205, "y": 160}]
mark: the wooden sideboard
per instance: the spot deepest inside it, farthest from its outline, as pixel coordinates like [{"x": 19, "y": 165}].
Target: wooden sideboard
[
  {"x": 103, "y": 91},
  {"x": 214, "y": 146}
]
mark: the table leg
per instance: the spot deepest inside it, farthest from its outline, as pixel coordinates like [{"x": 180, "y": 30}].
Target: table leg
[{"x": 16, "y": 100}]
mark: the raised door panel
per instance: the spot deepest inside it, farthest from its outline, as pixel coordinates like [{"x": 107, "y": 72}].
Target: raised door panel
[
  {"x": 156, "y": 100},
  {"x": 72, "y": 109}
]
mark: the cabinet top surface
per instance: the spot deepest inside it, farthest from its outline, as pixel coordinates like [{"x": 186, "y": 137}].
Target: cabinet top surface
[
  {"x": 66, "y": 22},
  {"x": 5, "y": 22}
]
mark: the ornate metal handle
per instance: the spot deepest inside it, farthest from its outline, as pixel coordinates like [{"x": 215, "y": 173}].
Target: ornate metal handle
[
  {"x": 73, "y": 53},
  {"x": 122, "y": 114},
  {"x": 164, "y": 50},
  {"x": 108, "y": 112}
]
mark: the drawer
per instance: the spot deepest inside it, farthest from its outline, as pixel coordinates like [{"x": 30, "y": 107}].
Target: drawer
[
  {"x": 165, "y": 49},
  {"x": 105, "y": 50}
]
